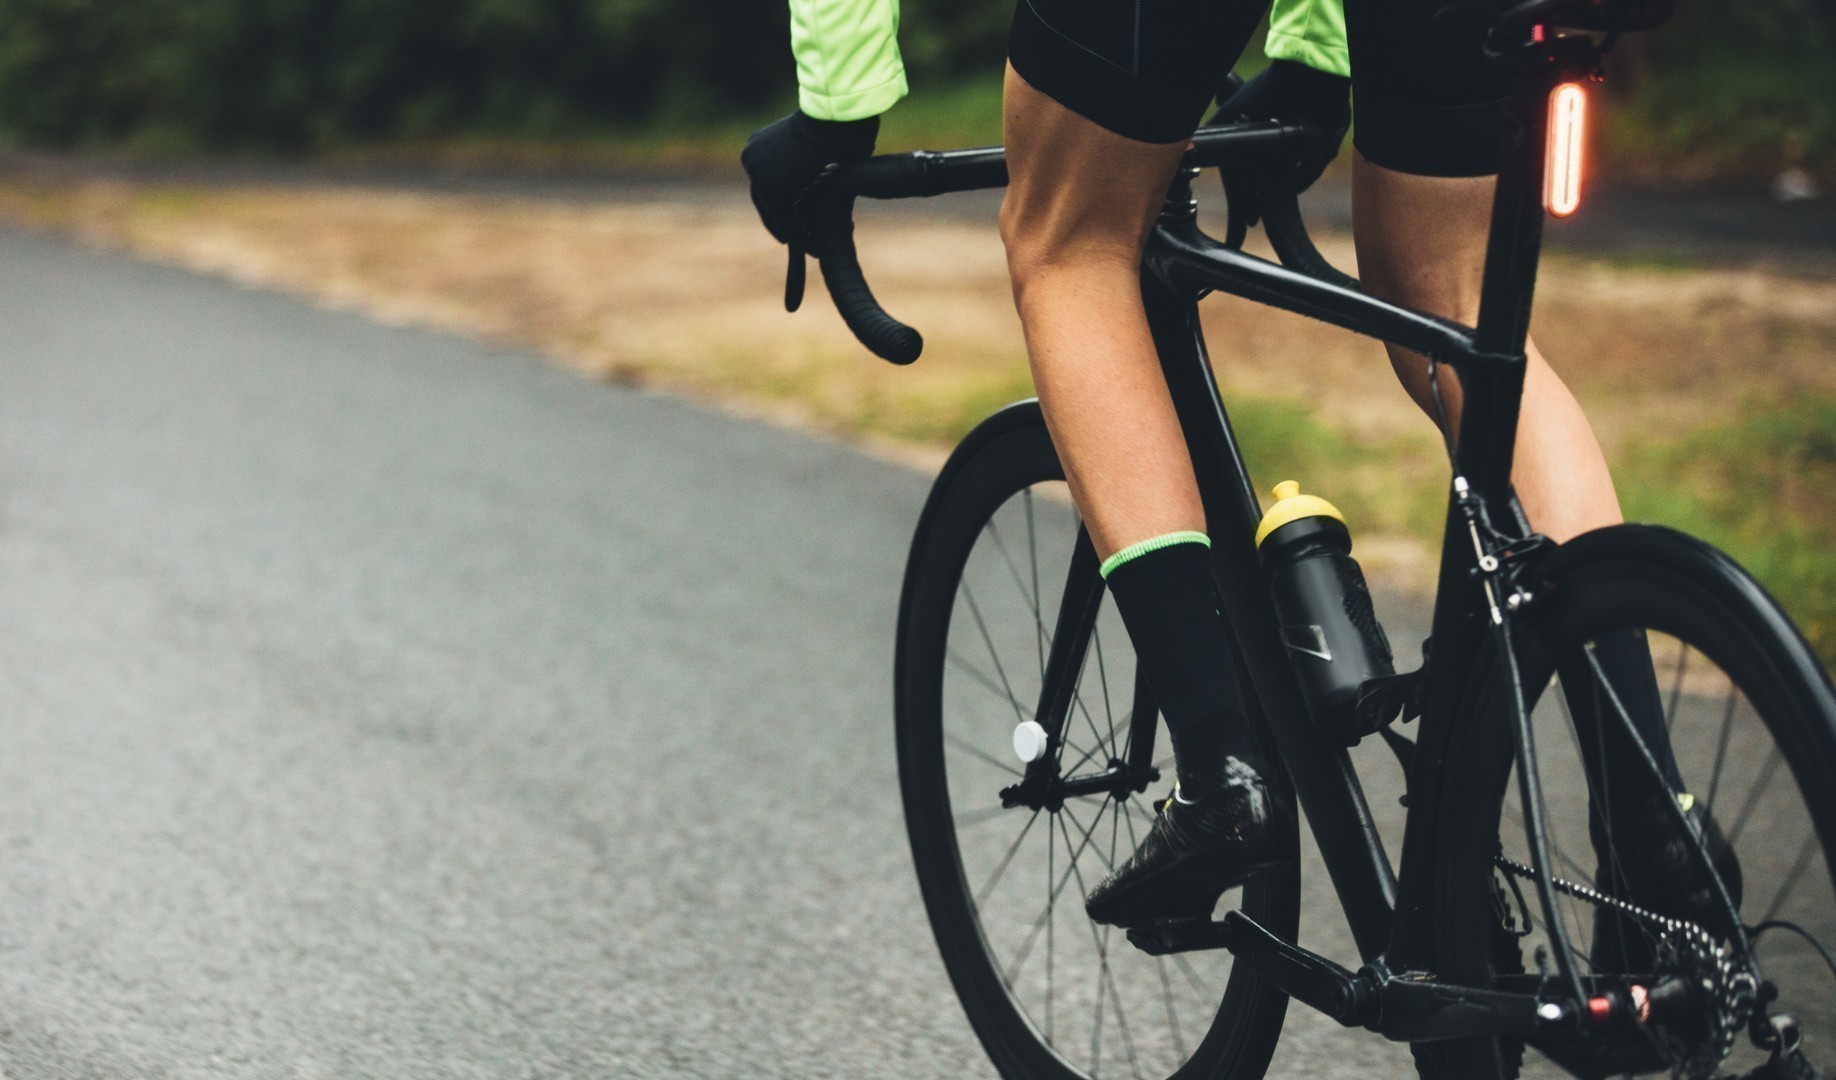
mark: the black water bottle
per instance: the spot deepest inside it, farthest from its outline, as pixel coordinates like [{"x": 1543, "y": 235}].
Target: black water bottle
[{"x": 1327, "y": 622}]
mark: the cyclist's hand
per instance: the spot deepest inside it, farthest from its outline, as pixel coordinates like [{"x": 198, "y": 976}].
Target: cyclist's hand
[
  {"x": 783, "y": 158},
  {"x": 1296, "y": 93}
]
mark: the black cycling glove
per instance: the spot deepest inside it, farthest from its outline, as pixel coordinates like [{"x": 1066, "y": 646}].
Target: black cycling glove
[
  {"x": 784, "y": 157},
  {"x": 1296, "y": 93}
]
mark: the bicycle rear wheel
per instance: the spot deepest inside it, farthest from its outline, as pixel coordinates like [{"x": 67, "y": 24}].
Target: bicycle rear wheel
[
  {"x": 1751, "y": 719},
  {"x": 1049, "y": 993}
]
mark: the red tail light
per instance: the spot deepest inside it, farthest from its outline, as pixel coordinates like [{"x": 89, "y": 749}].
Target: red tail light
[{"x": 1567, "y": 131}]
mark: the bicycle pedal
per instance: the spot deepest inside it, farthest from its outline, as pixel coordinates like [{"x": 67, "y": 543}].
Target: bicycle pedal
[{"x": 1165, "y": 936}]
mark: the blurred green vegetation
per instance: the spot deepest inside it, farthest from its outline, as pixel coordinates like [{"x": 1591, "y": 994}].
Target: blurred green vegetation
[
  {"x": 1725, "y": 88},
  {"x": 1761, "y": 488},
  {"x": 1738, "y": 90},
  {"x": 315, "y": 74}
]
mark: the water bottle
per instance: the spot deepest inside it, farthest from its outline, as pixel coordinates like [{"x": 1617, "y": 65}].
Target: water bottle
[{"x": 1327, "y": 622}]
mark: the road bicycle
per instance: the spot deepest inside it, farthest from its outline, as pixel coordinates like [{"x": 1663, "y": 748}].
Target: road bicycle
[{"x": 1482, "y": 947}]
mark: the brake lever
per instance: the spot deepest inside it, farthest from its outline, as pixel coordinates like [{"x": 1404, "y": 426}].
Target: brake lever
[
  {"x": 796, "y": 271},
  {"x": 795, "y": 274},
  {"x": 1241, "y": 208}
]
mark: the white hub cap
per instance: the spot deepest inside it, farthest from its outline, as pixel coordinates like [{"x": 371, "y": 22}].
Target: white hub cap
[{"x": 1029, "y": 741}]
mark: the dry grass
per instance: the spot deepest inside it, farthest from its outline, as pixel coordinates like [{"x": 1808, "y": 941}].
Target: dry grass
[{"x": 688, "y": 297}]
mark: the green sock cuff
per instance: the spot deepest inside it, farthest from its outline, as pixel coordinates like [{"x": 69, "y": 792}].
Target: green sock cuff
[{"x": 1155, "y": 543}]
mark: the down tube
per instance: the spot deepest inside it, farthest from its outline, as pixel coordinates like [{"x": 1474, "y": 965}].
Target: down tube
[{"x": 1323, "y": 776}]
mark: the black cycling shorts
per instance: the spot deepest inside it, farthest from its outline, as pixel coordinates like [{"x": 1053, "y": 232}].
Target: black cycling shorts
[{"x": 1424, "y": 99}]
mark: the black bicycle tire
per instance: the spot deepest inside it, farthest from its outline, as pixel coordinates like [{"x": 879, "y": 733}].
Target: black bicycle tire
[
  {"x": 1628, "y": 575},
  {"x": 1008, "y": 452}
]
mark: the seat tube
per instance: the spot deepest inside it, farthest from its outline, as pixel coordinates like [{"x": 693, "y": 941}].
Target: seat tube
[
  {"x": 1324, "y": 779},
  {"x": 1494, "y": 384}
]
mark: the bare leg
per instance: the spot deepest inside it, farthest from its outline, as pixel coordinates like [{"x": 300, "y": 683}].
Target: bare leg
[
  {"x": 1080, "y": 203},
  {"x": 1421, "y": 242}
]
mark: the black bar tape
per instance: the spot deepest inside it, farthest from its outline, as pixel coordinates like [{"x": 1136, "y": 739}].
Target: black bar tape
[
  {"x": 884, "y": 336},
  {"x": 926, "y": 172}
]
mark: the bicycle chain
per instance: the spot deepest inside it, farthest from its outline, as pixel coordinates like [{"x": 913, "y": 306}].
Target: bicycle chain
[{"x": 1686, "y": 947}]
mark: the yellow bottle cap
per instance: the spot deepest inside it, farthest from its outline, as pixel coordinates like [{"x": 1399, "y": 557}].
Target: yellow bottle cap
[{"x": 1291, "y": 505}]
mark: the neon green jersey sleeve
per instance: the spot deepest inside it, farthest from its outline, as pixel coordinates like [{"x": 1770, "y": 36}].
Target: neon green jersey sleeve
[
  {"x": 1310, "y": 32},
  {"x": 848, "y": 62}
]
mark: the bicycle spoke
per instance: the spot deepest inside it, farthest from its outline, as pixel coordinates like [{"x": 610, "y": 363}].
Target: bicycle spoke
[
  {"x": 1515, "y": 817},
  {"x": 1078, "y": 706},
  {"x": 1032, "y": 598},
  {"x": 1147, "y": 818},
  {"x": 1166, "y": 990},
  {"x": 1115, "y": 835},
  {"x": 1753, "y": 797},
  {"x": 976, "y": 611},
  {"x": 1676, "y": 686},
  {"x": 1052, "y": 897},
  {"x": 1192, "y": 976},
  {"x": 1077, "y": 700},
  {"x": 982, "y": 678},
  {"x": 1088, "y": 834},
  {"x": 1109, "y": 714},
  {"x": 1040, "y": 923},
  {"x": 982, "y": 817},
  {"x": 1721, "y": 747},
  {"x": 1051, "y": 924},
  {"x": 979, "y": 754},
  {"x": 1106, "y": 977},
  {"x": 981, "y": 895},
  {"x": 1791, "y": 878}
]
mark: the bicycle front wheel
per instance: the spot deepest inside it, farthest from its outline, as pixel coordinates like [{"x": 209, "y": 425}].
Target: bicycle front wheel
[
  {"x": 1049, "y": 993},
  {"x": 1750, "y": 718}
]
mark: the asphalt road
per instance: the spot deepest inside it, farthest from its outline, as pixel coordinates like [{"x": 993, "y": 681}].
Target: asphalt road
[{"x": 380, "y": 704}]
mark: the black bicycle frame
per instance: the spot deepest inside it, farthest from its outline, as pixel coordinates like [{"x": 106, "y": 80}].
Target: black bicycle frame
[{"x": 1388, "y": 913}]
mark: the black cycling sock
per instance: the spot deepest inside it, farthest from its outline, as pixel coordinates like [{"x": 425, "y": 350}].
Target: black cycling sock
[{"x": 1164, "y": 591}]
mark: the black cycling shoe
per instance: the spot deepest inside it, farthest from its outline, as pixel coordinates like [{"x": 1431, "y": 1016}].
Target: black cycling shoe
[
  {"x": 1656, "y": 868},
  {"x": 1195, "y": 850}
]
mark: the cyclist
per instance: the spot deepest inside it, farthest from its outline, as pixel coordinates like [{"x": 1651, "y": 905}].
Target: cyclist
[{"x": 1101, "y": 97}]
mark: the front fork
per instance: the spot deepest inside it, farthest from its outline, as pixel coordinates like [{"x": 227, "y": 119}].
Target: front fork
[{"x": 1106, "y": 769}]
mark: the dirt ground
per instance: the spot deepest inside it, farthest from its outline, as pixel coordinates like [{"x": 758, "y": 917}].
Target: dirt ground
[
  {"x": 688, "y": 297},
  {"x": 679, "y": 293}
]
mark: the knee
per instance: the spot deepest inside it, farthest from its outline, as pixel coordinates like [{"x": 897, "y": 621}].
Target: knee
[
  {"x": 1040, "y": 249},
  {"x": 1030, "y": 245}
]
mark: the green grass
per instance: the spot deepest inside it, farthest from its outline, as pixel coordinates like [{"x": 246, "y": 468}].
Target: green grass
[
  {"x": 1393, "y": 485},
  {"x": 1763, "y": 489}
]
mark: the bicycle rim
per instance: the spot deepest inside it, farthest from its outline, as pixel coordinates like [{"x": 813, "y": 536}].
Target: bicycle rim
[{"x": 1049, "y": 992}]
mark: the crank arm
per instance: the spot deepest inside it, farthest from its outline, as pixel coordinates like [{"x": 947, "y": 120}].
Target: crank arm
[{"x": 1406, "y": 1007}]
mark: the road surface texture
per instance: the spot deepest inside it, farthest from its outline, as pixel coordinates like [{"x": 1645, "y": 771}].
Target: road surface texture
[{"x": 379, "y": 704}]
